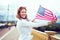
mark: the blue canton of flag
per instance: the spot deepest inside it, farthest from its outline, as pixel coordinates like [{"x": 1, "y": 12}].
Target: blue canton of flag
[{"x": 41, "y": 10}]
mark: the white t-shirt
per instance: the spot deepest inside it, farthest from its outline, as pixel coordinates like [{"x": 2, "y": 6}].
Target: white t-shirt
[{"x": 25, "y": 27}]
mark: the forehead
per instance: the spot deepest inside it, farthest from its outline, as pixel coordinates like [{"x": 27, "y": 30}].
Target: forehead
[{"x": 23, "y": 10}]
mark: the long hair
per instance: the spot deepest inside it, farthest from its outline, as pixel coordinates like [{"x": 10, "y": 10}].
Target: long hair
[{"x": 18, "y": 12}]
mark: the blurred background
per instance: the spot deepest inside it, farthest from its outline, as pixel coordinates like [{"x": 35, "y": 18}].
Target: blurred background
[{"x": 8, "y": 10}]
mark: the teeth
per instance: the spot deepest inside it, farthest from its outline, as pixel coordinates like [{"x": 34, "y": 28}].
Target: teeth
[{"x": 23, "y": 16}]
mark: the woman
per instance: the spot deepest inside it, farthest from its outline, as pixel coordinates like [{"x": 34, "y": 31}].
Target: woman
[{"x": 24, "y": 25}]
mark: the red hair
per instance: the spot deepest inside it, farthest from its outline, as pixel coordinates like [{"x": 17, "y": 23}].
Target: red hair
[{"x": 18, "y": 12}]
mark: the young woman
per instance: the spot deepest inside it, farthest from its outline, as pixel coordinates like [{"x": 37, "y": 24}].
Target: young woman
[{"x": 24, "y": 25}]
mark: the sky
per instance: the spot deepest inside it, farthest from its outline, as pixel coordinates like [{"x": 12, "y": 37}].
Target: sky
[{"x": 32, "y": 6}]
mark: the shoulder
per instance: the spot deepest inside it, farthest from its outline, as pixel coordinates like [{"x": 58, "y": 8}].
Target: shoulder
[{"x": 18, "y": 21}]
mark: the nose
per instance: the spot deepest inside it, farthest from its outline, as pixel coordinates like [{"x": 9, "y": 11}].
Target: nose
[{"x": 24, "y": 14}]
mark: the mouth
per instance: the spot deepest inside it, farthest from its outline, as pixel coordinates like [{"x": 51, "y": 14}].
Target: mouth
[{"x": 23, "y": 17}]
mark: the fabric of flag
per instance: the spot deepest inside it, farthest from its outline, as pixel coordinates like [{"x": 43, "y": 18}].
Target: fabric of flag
[{"x": 45, "y": 14}]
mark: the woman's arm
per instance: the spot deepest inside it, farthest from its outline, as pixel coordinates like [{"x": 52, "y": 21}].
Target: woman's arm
[{"x": 37, "y": 23}]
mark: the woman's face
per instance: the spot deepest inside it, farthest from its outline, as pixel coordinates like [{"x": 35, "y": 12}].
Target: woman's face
[{"x": 23, "y": 13}]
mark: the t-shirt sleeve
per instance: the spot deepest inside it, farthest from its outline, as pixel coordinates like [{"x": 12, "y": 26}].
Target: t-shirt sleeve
[{"x": 35, "y": 24}]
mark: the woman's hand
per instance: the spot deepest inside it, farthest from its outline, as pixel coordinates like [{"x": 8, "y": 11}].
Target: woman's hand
[
  {"x": 52, "y": 22},
  {"x": 33, "y": 20}
]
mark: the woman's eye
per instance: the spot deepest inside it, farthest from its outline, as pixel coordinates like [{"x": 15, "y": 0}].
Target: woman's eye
[{"x": 23, "y": 12}]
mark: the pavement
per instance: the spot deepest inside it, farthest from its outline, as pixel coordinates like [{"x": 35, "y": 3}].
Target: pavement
[
  {"x": 3, "y": 31},
  {"x": 13, "y": 34}
]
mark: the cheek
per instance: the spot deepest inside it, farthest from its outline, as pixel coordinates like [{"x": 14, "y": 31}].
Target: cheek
[
  {"x": 20, "y": 14},
  {"x": 23, "y": 14}
]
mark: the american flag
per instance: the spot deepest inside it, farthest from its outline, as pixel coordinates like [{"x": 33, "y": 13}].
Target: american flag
[{"x": 45, "y": 14}]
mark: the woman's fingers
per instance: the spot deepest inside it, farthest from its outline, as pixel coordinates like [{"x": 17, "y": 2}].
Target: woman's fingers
[
  {"x": 33, "y": 20},
  {"x": 49, "y": 23}
]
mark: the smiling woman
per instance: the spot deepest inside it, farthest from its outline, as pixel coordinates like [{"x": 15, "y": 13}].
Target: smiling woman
[{"x": 24, "y": 25}]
